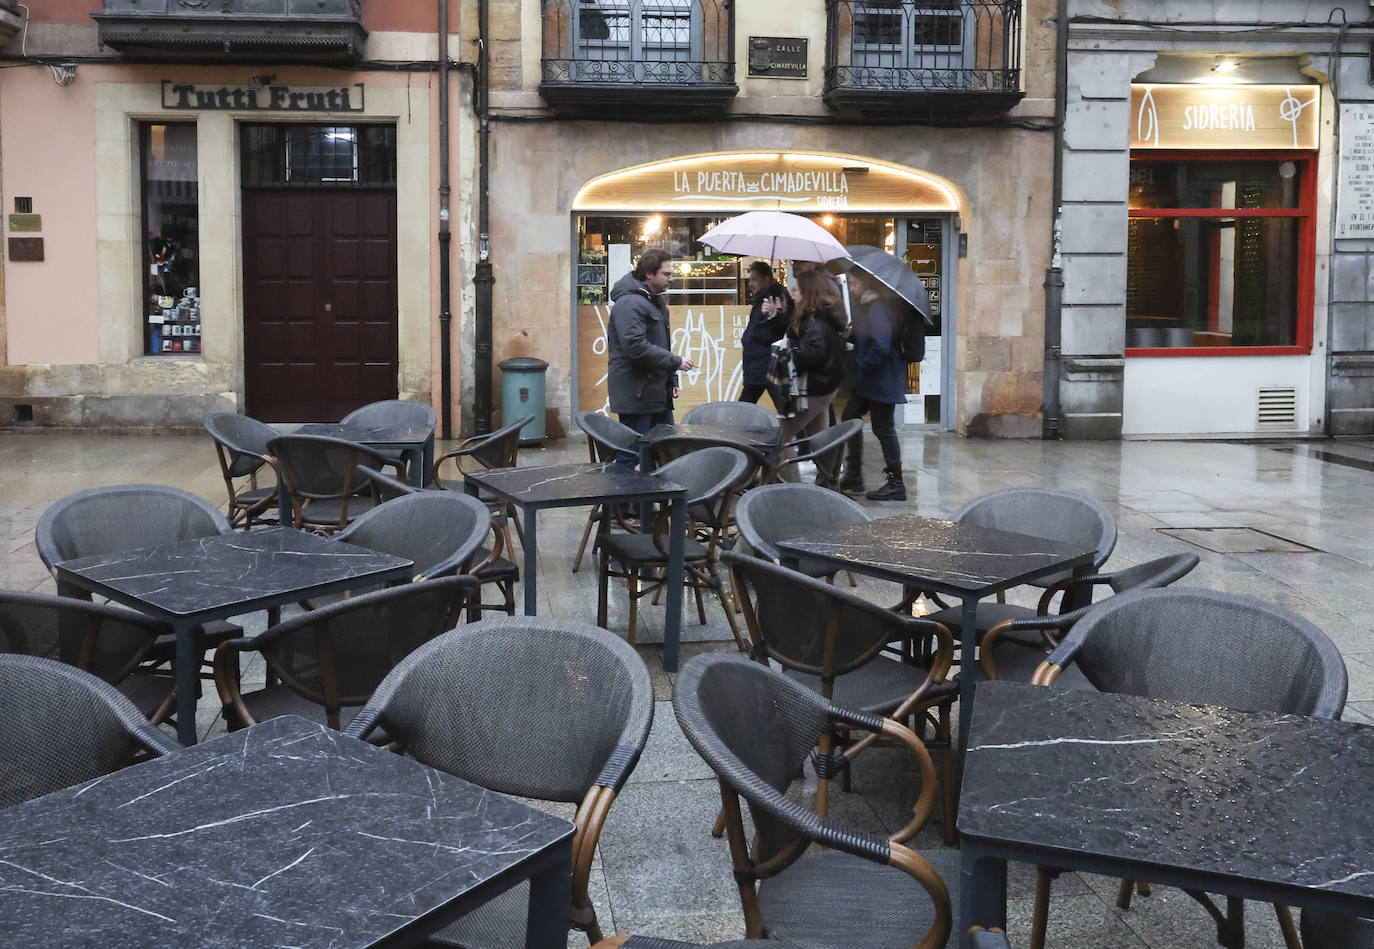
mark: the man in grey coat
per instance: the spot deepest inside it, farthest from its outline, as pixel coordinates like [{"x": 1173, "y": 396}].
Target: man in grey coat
[{"x": 643, "y": 368}]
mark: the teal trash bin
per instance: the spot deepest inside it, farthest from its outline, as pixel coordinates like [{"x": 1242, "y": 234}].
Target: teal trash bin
[{"x": 522, "y": 393}]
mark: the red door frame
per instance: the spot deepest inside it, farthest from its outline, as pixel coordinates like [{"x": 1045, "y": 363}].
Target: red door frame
[{"x": 1307, "y": 242}]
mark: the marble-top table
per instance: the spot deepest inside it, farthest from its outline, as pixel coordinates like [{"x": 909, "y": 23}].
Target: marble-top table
[
  {"x": 189, "y": 583},
  {"x": 580, "y": 485},
  {"x": 960, "y": 560},
  {"x": 415, "y": 442},
  {"x": 1275, "y": 808},
  {"x": 284, "y": 834}
]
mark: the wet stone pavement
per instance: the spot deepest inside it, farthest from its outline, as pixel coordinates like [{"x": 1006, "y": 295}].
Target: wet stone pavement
[{"x": 659, "y": 871}]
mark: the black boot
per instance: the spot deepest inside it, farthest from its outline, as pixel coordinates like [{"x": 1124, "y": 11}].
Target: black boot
[
  {"x": 893, "y": 490},
  {"x": 852, "y": 481}
]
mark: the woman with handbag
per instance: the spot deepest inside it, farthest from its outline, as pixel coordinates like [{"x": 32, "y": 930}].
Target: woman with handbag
[{"x": 817, "y": 350}]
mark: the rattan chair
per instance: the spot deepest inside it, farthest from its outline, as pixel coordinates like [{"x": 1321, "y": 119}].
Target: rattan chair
[
  {"x": 535, "y": 707},
  {"x": 607, "y": 440},
  {"x": 1065, "y": 516},
  {"x": 825, "y": 451},
  {"x": 390, "y": 412},
  {"x": 64, "y": 726},
  {"x": 329, "y": 661},
  {"x": 714, "y": 524},
  {"x": 439, "y": 531},
  {"x": 498, "y": 449},
  {"x": 384, "y": 486},
  {"x": 745, "y": 414},
  {"x": 1334, "y": 931},
  {"x": 122, "y": 517},
  {"x": 322, "y": 478},
  {"x": 778, "y": 512},
  {"x": 833, "y": 642},
  {"x": 109, "y": 642},
  {"x": 241, "y": 445},
  {"x": 756, "y": 727},
  {"x": 1014, "y": 648},
  {"x": 709, "y": 476},
  {"x": 1201, "y": 647}
]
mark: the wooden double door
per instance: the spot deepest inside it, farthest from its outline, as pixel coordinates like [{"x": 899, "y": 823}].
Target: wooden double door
[{"x": 320, "y": 313}]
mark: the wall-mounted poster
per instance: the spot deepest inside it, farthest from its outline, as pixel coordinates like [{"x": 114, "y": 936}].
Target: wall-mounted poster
[{"x": 591, "y": 274}]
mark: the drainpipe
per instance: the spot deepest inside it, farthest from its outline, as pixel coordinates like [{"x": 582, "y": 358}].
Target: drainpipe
[
  {"x": 1054, "y": 275},
  {"x": 445, "y": 238},
  {"x": 483, "y": 278}
]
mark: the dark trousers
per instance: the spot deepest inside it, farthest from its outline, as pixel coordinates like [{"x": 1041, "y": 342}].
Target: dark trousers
[
  {"x": 641, "y": 422},
  {"x": 752, "y": 392},
  {"x": 883, "y": 416}
]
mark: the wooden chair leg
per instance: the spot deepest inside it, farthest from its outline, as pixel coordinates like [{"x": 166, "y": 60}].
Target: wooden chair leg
[
  {"x": 519, "y": 531},
  {"x": 1123, "y": 895},
  {"x": 853, "y": 580},
  {"x": 592, "y": 518},
  {"x": 1040, "y": 917},
  {"x": 718, "y": 831},
  {"x": 1291, "y": 939},
  {"x": 701, "y": 606}
]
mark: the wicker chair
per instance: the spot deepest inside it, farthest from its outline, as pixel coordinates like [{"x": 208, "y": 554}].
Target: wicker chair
[
  {"x": 241, "y": 444},
  {"x": 536, "y": 707},
  {"x": 714, "y": 524},
  {"x": 745, "y": 414},
  {"x": 107, "y": 641},
  {"x": 498, "y": 449},
  {"x": 777, "y": 512},
  {"x": 321, "y": 477},
  {"x": 709, "y": 476},
  {"x": 329, "y": 661},
  {"x": 1202, "y": 647},
  {"x": 830, "y": 640},
  {"x": 439, "y": 531},
  {"x": 756, "y": 727},
  {"x": 121, "y": 517},
  {"x": 388, "y": 413},
  {"x": 1025, "y": 642},
  {"x": 384, "y": 486},
  {"x": 607, "y": 440},
  {"x": 1333, "y": 931},
  {"x": 1065, "y": 516},
  {"x": 65, "y": 726},
  {"x": 825, "y": 451}
]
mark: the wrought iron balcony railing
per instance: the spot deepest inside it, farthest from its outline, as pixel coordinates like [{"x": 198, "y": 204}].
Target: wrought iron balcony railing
[
  {"x": 597, "y": 50},
  {"x": 944, "y": 56},
  {"x": 289, "y": 30}
]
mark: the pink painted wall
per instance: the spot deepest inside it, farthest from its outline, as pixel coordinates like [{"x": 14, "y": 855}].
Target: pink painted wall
[{"x": 49, "y": 154}]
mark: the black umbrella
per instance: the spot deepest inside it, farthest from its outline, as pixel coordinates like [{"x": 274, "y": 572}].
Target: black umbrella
[{"x": 892, "y": 273}]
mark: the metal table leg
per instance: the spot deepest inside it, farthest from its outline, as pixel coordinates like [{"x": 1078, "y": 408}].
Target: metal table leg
[
  {"x": 970, "y": 670},
  {"x": 982, "y": 892},
  {"x": 530, "y": 517},
  {"x": 672, "y": 622},
  {"x": 546, "y": 922},
  {"x": 187, "y": 676}
]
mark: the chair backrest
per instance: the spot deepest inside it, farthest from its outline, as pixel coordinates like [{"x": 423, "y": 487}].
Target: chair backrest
[
  {"x": 392, "y": 412},
  {"x": 1206, "y": 647},
  {"x": 106, "y": 641},
  {"x": 123, "y": 517},
  {"x": 827, "y": 450},
  {"x": 338, "y": 654},
  {"x": 539, "y": 707},
  {"x": 706, "y": 474},
  {"x": 61, "y": 726},
  {"x": 811, "y": 625},
  {"x": 243, "y": 439},
  {"x": 731, "y": 413},
  {"x": 608, "y": 436},
  {"x": 316, "y": 467},
  {"x": 500, "y": 449},
  {"x": 674, "y": 447},
  {"x": 385, "y": 487},
  {"x": 438, "y": 530},
  {"x": 777, "y": 512},
  {"x": 1065, "y": 516}
]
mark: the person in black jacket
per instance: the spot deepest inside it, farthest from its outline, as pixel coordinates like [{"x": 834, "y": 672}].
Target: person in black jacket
[
  {"x": 642, "y": 376},
  {"x": 879, "y": 386},
  {"x": 767, "y": 324},
  {"x": 814, "y": 334}
]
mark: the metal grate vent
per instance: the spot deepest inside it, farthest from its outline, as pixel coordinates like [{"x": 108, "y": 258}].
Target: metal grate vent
[
  {"x": 23, "y": 205},
  {"x": 1277, "y": 407}
]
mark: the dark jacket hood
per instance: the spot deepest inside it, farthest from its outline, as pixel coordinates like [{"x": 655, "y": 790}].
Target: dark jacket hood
[{"x": 629, "y": 284}]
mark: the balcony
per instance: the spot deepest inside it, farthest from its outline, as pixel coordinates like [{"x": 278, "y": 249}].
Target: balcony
[
  {"x": 600, "y": 54},
  {"x": 923, "y": 58},
  {"x": 11, "y": 19},
  {"x": 297, "y": 31}
]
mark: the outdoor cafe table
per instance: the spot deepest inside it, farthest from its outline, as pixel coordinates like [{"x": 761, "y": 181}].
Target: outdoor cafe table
[
  {"x": 959, "y": 560},
  {"x": 284, "y": 834},
  {"x": 416, "y": 442},
  {"x": 606, "y": 484},
  {"x": 1266, "y": 807},
  {"x": 190, "y": 583}
]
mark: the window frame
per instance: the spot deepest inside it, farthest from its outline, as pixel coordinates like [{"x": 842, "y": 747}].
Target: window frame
[
  {"x": 637, "y": 46},
  {"x": 908, "y": 53},
  {"x": 1306, "y": 211}
]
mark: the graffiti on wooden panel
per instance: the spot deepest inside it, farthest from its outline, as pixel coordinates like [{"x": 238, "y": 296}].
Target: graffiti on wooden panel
[{"x": 708, "y": 335}]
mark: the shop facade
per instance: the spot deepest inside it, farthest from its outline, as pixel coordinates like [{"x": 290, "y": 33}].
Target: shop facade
[
  {"x": 1215, "y": 216},
  {"x": 197, "y": 233}
]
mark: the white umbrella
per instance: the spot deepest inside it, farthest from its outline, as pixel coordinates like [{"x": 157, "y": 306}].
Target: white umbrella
[{"x": 774, "y": 235}]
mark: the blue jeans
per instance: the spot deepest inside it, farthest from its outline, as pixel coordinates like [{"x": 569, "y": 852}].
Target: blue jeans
[{"x": 641, "y": 422}]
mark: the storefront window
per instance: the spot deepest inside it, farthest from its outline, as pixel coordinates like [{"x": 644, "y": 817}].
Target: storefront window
[
  {"x": 1219, "y": 255},
  {"x": 171, "y": 219}
]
